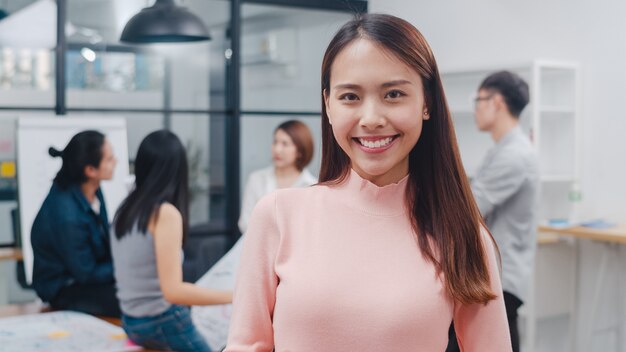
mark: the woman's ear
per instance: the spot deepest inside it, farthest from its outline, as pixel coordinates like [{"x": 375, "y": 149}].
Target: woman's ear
[
  {"x": 326, "y": 98},
  {"x": 426, "y": 114}
]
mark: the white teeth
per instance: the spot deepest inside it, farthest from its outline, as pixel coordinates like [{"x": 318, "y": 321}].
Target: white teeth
[{"x": 375, "y": 144}]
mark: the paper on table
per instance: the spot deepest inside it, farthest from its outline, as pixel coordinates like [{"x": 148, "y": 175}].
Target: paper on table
[
  {"x": 213, "y": 321},
  {"x": 61, "y": 331},
  {"x": 598, "y": 224}
]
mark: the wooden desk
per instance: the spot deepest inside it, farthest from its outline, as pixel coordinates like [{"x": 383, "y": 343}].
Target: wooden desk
[
  {"x": 547, "y": 238},
  {"x": 615, "y": 234},
  {"x": 611, "y": 238},
  {"x": 7, "y": 255},
  {"x": 12, "y": 310},
  {"x": 10, "y": 254}
]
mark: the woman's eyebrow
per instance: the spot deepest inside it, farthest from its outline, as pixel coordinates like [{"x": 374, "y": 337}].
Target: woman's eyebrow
[
  {"x": 347, "y": 86},
  {"x": 393, "y": 83},
  {"x": 398, "y": 82}
]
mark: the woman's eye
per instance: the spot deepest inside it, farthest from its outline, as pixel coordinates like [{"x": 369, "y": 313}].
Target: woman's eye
[
  {"x": 394, "y": 94},
  {"x": 349, "y": 97}
]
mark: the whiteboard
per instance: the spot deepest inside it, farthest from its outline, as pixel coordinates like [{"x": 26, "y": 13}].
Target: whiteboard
[{"x": 36, "y": 168}]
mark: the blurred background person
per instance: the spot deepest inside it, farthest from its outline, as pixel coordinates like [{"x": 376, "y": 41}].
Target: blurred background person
[
  {"x": 292, "y": 151},
  {"x": 506, "y": 188},
  {"x": 73, "y": 268},
  {"x": 150, "y": 228}
]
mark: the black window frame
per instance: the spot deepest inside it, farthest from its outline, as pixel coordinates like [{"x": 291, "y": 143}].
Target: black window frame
[{"x": 230, "y": 193}]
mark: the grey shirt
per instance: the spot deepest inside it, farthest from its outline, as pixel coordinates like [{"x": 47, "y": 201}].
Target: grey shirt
[
  {"x": 134, "y": 264},
  {"x": 506, "y": 188}
]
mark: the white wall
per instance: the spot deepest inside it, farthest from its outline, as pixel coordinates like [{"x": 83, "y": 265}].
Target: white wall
[
  {"x": 490, "y": 32},
  {"x": 483, "y": 32}
]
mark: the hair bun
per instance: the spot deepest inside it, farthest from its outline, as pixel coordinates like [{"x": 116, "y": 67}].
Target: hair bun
[{"x": 54, "y": 152}]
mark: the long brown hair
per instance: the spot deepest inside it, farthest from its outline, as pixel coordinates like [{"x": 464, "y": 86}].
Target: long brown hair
[{"x": 443, "y": 212}]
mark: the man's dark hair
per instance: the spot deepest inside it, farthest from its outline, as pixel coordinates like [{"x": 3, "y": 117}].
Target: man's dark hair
[
  {"x": 512, "y": 87},
  {"x": 84, "y": 149}
]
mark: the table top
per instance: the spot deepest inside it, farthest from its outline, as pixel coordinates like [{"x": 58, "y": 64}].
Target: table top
[
  {"x": 12, "y": 310},
  {"x": 616, "y": 234},
  {"x": 10, "y": 253},
  {"x": 23, "y": 309},
  {"x": 544, "y": 238}
]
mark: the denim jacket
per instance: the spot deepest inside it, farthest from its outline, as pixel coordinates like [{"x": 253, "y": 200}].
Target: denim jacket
[{"x": 70, "y": 242}]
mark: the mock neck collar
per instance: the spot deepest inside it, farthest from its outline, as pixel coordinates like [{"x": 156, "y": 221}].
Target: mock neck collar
[{"x": 367, "y": 197}]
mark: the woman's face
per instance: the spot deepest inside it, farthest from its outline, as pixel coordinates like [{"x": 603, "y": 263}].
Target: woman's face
[
  {"x": 107, "y": 164},
  {"x": 375, "y": 105},
  {"x": 284, "y": 151}
]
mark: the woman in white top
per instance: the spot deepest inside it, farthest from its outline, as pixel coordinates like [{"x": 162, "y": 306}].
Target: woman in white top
[{"x": 292, "y": 151}]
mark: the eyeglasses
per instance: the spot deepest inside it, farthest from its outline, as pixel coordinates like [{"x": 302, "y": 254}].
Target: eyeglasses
[{"x": 478, "y": 99}]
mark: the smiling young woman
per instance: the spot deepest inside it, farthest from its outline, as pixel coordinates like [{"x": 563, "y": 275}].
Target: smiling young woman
[
  {"x": 389, "y": 248},
  {"x": 375, "y": 105}
]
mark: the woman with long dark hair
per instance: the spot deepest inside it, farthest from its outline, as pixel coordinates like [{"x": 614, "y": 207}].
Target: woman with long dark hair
[
  {"x": 390, "y": 247},
  {"x": 70, "y": 235},
  {"x": 149, "y": 230}
]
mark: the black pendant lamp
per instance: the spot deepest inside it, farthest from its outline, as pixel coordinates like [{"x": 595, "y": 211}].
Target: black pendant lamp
[{"x": 164, "y": 22}]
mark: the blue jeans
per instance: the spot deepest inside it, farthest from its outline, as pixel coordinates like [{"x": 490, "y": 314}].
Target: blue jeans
[{"x": 170, "y": 330}]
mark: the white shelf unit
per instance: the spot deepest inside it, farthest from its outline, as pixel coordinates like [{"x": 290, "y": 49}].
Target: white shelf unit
[{"x": 552, "y": 121}]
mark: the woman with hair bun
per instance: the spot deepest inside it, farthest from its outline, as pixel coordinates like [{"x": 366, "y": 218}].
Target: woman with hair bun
[{"x": 73, "y": 269}]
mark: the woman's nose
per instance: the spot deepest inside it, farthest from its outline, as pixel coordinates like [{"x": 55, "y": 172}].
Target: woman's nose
[{"x": 372, "y": 116}]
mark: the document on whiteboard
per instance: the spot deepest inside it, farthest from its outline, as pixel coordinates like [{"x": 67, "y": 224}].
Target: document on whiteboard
[{"x": 213, "y": 321}]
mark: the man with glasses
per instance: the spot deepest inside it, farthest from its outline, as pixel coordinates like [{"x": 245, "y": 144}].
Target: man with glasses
[{"x": 505, "y": 187}]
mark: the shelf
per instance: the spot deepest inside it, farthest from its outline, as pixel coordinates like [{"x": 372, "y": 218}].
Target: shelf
[
  {"x": 557, "y": 109},
  {"x": 544, "y": 109},
  {"x": 484, "y": 70},
  {"x": 10, "y": 254},
  {"x": 265, "y": 63},
  {"x": 556, "y": 65},
  {"x": 461, "y": 112},
  {"x": 557, "y": 178}
]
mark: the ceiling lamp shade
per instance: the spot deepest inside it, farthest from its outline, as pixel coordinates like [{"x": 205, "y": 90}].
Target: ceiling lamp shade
[{"x": 164, "y": 22}]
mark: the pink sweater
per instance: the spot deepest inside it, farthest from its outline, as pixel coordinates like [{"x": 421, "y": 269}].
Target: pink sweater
[{"x": 338, "y": 269}]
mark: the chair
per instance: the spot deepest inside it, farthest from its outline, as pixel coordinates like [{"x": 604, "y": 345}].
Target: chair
[
  {"x": 17, "y": 239},
  {"x": 203, "y": 248}
]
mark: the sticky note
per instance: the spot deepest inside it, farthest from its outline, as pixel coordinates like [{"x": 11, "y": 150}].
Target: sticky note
[
  {"x": 7, "y": 169},
  {"x": 58, "y": 334},
  {"x": 119, "y": 336}
]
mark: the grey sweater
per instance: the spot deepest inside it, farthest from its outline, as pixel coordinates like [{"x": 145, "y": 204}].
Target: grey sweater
[{"x": 506, "y": 188}]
